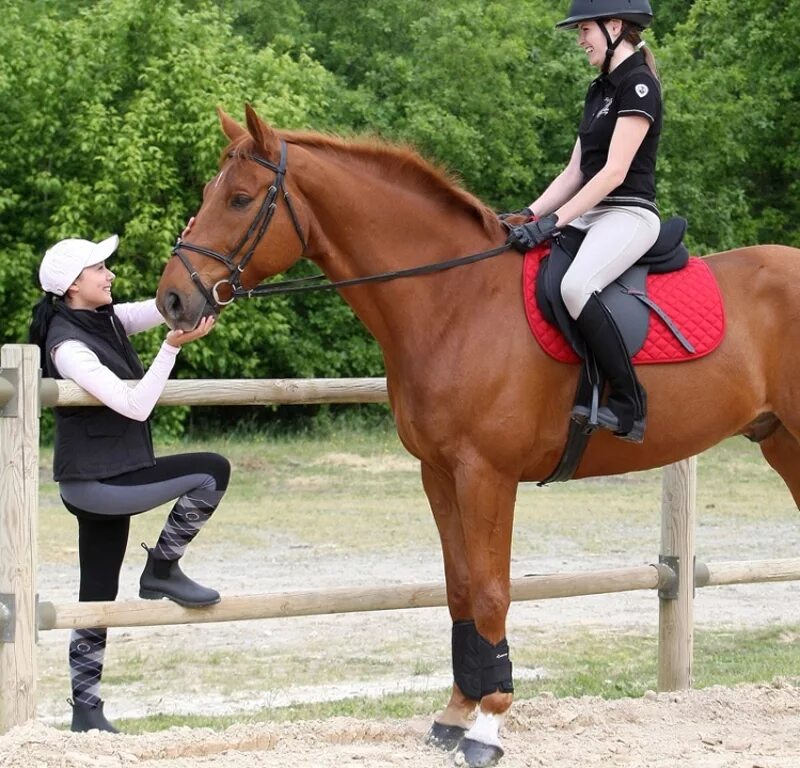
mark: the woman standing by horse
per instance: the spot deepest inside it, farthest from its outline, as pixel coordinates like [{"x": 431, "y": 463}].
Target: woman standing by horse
[
  {"x": 103, "y": 460},
  {"x": 607, "y": 191}
]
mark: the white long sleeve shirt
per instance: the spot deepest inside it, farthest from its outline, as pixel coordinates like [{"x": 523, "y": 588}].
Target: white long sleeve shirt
[{"x": 74, "y": 360}]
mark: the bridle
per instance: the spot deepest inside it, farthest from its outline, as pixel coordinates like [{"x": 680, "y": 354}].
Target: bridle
[
  {"x": 258, "y": 229},
  {"x": 255, "y": 233}
]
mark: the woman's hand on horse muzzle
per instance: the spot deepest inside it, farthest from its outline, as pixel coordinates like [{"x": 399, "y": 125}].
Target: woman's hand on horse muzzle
[{"x": 527, "y": 236}]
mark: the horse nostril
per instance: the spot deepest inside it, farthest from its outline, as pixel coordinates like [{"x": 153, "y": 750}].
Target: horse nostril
[{"x": 173, "y": 305}]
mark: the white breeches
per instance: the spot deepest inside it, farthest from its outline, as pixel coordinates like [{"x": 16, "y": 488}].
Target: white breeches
[{"x": 616, "y": 238}]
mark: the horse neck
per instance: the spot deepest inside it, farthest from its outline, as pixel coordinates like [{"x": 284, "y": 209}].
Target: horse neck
[{"x": 365, "y": 224}]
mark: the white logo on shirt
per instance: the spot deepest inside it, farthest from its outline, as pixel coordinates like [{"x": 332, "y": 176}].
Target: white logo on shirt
[
  {"x": 642, "y": 90},
  {"x": 606, "y": 106}
]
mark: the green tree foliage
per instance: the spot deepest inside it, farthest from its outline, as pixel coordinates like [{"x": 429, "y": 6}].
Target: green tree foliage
[
  {"x": 108, "y": 125},
  {"x": 733, "y": 124},
  {"x": 668, "y": 14},
  {"x": 490, "y": 89},
  {"x": 280, "y": 23}
]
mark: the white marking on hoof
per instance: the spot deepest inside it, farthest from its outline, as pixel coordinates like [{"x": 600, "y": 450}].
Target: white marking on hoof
[{"x": 486, "y": 729}]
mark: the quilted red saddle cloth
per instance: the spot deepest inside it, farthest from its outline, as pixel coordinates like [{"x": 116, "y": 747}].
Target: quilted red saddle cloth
[{"x": 690, "y": 297}]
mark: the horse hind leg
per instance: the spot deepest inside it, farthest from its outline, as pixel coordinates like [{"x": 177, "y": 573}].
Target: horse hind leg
[{"x": 781, "y": 449}]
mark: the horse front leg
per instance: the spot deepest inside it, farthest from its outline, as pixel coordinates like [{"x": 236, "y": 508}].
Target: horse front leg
[
  {"x": 486, "y": 500},
  {"x": 453, "y": 722},
  {"x": 474, "y": 514}
]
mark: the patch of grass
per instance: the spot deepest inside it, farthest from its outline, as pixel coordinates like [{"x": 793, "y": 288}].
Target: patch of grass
[
  {"x": 726, "y": 657},
  {"x": 423, "y": 667},
  {"x": 396, "y": 706},
  {"x": 624, "y": 665},
  {"x": 361, "y": 491},
  {"x": 356, "y": 490}
]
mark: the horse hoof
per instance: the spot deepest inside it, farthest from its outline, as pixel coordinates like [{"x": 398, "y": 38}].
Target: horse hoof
[
  {"x": 476, "y": 754},
  {"x": 444, "y": 737}
]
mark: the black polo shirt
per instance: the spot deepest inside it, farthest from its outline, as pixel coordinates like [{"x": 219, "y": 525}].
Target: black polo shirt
[{"x": 631, "y": 89}]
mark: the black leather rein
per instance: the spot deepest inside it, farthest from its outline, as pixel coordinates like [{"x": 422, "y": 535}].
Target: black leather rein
[{"x": 307, "y": 284}]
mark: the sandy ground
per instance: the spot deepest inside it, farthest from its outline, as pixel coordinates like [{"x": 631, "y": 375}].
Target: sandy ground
[
  {"x": 334, "y": 639},
  {"x": 745, "y": 727}
]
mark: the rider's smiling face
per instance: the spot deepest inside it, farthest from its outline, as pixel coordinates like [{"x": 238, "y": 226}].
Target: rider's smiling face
[{"x": 593, "y": 41}]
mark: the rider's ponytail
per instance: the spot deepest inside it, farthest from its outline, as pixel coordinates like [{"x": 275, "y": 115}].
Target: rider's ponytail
[
  {"x": 634, "y": 37},
  {"x": 41, "y": 317}
]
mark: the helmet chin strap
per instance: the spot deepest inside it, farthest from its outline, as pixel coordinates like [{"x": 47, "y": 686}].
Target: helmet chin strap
[{"x": 611, "y": 44}]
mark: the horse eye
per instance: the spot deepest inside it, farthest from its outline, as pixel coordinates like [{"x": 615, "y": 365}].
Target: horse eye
[{"x": 241, "y": 201}]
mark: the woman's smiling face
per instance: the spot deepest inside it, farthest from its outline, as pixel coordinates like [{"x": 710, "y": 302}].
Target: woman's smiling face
[
  {"x": 92, "y": 288},
  {"x": 593, "y": 41}
]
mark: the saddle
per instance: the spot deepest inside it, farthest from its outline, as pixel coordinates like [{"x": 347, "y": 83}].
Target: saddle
[{"x": 626, "y": 298}]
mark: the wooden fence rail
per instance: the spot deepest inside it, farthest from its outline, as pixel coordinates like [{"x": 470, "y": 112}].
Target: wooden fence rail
[
  {"x": 23, "y": 393},
  {"x": 237, "y": 392},
  {"x": 144, "y": 613}
]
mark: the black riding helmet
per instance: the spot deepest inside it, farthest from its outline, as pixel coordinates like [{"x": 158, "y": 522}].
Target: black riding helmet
[{"x": 635, "y": 15}]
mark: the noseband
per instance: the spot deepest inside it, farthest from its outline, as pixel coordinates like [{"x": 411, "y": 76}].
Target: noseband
[{"x": 255, "y": 232}]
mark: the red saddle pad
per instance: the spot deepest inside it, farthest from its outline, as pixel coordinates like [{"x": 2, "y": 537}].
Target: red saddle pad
[{"x": 690, "y": 297}]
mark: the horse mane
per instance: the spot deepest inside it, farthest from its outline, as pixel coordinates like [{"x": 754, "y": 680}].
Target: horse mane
[{"x": 401, "y": 162}]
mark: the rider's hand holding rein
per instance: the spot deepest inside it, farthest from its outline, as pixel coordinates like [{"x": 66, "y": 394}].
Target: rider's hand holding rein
[{"x": 527, "y": 236}]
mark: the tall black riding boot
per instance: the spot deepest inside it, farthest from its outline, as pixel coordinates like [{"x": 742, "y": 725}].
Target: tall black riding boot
[
  {"x": 625, "y": 410},
  {"x": 89, "y": 718},
  {"x": 164, "y": 578}
]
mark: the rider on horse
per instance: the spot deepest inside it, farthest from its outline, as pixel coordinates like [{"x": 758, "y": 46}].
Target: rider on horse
[{"x": 608, "y": 192}]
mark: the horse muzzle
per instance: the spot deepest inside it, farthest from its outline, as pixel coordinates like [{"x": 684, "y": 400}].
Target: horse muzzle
[{"x": 183, "y": 311}]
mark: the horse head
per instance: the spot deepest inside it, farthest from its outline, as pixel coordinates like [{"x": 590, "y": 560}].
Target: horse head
[{"x": 247, "y": 228}]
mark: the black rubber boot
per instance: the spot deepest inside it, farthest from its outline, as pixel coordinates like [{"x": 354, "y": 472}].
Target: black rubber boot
[
  {"x": 87, "y": 718},
  {"x": 625, "y": 411},
  {"x": 164, "y": 578}
]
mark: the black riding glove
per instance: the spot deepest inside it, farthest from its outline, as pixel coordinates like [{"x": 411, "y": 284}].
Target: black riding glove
[
  {"x": 526, "y": 212},
  {"x": 527, "y": 236}
]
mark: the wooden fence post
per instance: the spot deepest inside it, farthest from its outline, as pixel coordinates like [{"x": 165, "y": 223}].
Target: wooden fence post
[
  {"x": 676, "y": 607},
  {"x": 19, "y": 499}
]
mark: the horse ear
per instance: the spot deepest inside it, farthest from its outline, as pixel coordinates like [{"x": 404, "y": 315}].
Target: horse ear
[
  {"x": 229, "y": 126},
  {"x": 263, "y": 136}
]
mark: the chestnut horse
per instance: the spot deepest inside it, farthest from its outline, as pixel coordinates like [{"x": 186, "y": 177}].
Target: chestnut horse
[{"x": 474, "y": 397}]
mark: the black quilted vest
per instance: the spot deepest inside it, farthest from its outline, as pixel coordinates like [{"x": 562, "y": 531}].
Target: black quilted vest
[{"x": 95, "y": 442}]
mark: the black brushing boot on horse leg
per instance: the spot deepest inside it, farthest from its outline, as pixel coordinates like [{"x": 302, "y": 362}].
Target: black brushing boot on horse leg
[{"x": 625, "y": 411}]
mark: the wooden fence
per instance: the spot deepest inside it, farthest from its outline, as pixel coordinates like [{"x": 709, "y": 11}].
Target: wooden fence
[{"x": 22, "y": 394}]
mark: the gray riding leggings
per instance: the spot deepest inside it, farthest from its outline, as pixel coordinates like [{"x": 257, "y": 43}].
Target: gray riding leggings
[
  {"x": 195, "y": 481},
  {"x": 616, "y": 238}
]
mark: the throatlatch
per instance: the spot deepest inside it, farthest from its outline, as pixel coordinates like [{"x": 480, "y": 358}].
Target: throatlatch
[{"x": 479, "y": 667}]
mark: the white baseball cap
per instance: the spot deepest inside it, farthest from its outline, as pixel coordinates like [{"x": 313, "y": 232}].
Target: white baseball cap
[{"x": 63, "y": 262}]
